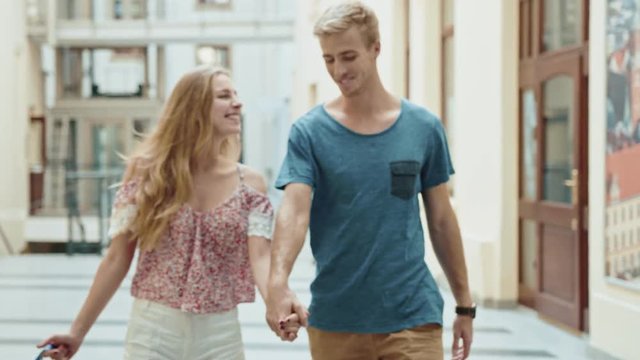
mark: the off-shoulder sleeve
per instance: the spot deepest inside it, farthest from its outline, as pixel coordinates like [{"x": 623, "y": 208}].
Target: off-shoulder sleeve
[
  {"x": 260, "y": 216},
  {"x": 124, "y": 209}
]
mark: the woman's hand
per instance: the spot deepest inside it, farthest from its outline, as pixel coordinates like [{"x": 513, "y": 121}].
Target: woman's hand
[
  {"x": 291, "y": 325},
  {"x": 65, "y": 346}
]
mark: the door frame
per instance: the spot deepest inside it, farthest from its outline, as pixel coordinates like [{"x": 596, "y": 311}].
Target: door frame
[{"x": 534, "y": 69}]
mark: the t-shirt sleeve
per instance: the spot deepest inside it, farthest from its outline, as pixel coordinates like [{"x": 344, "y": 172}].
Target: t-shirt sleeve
[
  {"x": 260, "y": 217},
  {"x": 299, "y": 165},
  {"x": 124, "y": 209},
  {"x": 437, "y": 167}
]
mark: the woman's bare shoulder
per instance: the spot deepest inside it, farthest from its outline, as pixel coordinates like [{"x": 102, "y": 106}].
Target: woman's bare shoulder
[{"x": 254, "y": 179}]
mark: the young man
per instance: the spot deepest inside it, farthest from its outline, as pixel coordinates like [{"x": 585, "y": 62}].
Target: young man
[{"x": 364, "y": 157}]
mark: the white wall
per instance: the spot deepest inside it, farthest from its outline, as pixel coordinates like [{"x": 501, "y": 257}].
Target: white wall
[
  {"x": 486, "y": 143},
  {"x": 14, "y": 95},
  {"x": 424, "y": 63},
  {"x": 265, "y": 87},
  {"x": 614, "y": 311}
]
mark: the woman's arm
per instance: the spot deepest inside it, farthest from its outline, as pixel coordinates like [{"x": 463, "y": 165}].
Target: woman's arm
[
  {"x": 112, "y": 270},
  {"x": 260, "y": 258}
]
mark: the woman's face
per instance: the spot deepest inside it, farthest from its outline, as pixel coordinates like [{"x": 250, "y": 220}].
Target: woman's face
[{"x": 226, "y": 109}]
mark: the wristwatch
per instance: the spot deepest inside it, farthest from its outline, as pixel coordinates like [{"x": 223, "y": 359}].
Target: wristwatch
[{"x": 467, "y": 311}]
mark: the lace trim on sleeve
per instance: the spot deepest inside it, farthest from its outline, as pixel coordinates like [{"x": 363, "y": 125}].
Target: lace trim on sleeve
[
  {"x": 260, "y": 224},
  {"x": 121, "y": 219}
]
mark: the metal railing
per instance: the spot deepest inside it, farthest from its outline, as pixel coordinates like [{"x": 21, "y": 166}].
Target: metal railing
[{"x": 84, "y": 194}]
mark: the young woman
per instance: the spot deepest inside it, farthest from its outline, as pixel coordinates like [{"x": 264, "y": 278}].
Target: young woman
[{"x": 202, "y": 223}]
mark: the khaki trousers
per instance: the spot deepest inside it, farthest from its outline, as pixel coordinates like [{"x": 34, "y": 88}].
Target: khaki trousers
[{"x": 422, "y": 342}]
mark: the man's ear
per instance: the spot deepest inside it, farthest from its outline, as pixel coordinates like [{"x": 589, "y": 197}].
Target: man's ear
[{"x": 376, "y": 47}]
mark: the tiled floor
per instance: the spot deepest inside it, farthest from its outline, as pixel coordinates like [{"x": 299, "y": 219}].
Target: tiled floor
[{"x": 40, "y": 294}]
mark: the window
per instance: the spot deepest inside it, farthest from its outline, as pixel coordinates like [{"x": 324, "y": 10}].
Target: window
[
  {"x": 215, "y": 3},
  {"x": 71, "y": 74},
  {"x": 129, "y": 9},
  {"x": 214, "y": 55},
  {"x": 562, "y": 24},
  {"x": 119, "y": 72}
]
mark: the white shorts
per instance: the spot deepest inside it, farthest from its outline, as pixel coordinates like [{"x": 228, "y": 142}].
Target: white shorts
[{"x": 158, "y": 332}]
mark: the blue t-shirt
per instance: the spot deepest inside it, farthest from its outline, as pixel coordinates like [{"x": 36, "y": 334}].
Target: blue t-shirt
[{"x": 366, "y": 235}]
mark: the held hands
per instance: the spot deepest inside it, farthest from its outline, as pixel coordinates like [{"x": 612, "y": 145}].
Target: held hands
[
  {"x": 285, "y": 314},
  {"x": 63, "y": 346},
  {"x": 289, "y": 327}
]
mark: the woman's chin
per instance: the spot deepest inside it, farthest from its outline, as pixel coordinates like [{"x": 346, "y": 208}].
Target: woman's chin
[{"x": 229, "y": 132}]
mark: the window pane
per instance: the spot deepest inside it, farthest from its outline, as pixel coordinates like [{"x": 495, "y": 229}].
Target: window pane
[
  {"x": 558, "y": 138},
  {"x": 213, "y": 55},
  {"x": 528, "y": 179},
  {"x": 562, "y": 23},
  {"x": 71, "y": 72},
  {"x": 118, "y": 72}
]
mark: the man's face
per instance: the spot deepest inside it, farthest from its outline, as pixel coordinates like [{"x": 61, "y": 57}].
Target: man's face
[{"x": 349, "y": 62}]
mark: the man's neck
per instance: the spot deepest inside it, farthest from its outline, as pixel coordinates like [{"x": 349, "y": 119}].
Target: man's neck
[{"x": 372, "y": 99}]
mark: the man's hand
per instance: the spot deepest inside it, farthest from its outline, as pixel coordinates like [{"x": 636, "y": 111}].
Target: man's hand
[
  {"x": 281, "y": 304},
  {"x": 462, "y": 330}
]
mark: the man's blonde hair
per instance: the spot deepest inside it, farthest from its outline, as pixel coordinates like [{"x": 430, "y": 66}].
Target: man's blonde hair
[{"x": 341, "y": 17}]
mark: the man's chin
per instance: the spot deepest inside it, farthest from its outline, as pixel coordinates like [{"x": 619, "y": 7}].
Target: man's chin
[{"x": 349, "y": 93}]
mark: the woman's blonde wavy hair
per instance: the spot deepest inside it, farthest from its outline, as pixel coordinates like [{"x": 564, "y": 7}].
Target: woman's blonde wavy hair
[{"x": 163, "y": 163}]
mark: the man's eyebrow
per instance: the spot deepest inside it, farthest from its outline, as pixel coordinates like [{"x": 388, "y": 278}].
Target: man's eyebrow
[{"x": 346, "y": 52}]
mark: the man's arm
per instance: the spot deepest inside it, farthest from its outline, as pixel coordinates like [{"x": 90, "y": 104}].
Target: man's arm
[
  {"x": 292, "y": 222},
  {"x": 447, "y": 242},
  {"x": 447, "y": 245}
]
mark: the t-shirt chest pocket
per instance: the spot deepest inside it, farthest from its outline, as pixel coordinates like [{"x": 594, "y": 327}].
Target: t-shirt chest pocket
[{"x": 403, "y": 178}]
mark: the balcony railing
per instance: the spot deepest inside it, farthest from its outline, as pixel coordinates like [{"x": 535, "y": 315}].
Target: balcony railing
[
  {"x": 140, "y": 22},
  {"x": 99, "y": 10}
]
